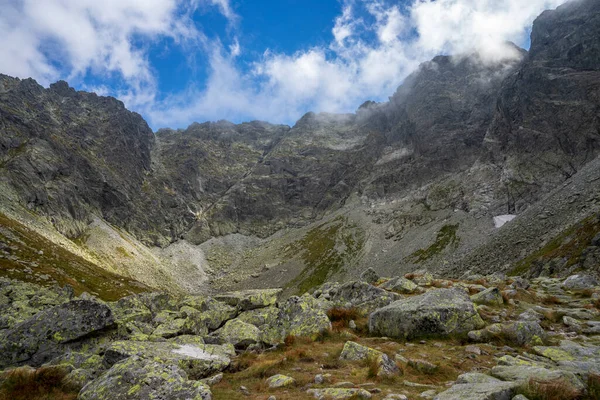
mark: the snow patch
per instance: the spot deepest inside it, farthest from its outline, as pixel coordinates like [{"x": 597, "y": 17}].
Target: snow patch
[
  {"x": 501, "y": 220},
  {"x": 196, "y": 352}
]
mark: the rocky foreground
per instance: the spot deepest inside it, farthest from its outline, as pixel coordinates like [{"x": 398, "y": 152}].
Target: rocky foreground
[{"x": 407, "y": 337}]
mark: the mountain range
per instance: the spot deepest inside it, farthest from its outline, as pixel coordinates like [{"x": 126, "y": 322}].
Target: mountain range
[{"x": 91, "y": 196}]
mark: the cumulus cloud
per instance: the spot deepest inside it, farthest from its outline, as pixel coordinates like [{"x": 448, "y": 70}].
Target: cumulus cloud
[{"x": 375, "y": 45}]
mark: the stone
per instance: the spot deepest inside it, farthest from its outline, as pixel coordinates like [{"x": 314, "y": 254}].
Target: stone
[
  {"x": 369, "y": 276},
  {"x": 519, "y": 332},
  {"x": 250, "y": 299},
  {"x": 475, "y": 377},
  {"x": 238, "y": 333},
  {"x": 302, "y": 317},
  {"x": 136, "y": 378},
  {"x": 204, "y": 314},
  {"x": 278, "y": 381},
  {"x": 428, "y": 394},
  {"x": 491, "y": 390},
  {"x": 401, "y": 285},
  {"x": 439, "y": 312},
  {"x": 43, "y": 336},
  {"x": 489, "y": 297},
  {"x": 353, "y": 351},
  {"x": 523, "y": 373},
  {"x": 213, "y": 380},
  {"x": 359, "y": 295},
  {"x": 580, "y": 282},
  {"x": 319, "y": 379},
  {"x": 339, "y": 394},
  {"x": 198, "y": 361},
  {"x": 422, "y": 366}
]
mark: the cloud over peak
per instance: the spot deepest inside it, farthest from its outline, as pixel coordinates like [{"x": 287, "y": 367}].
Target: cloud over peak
[{"x": 374, "y": 45}]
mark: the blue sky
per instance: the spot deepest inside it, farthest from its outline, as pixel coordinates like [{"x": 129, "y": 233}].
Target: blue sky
[{"x": 179, "y": 61}]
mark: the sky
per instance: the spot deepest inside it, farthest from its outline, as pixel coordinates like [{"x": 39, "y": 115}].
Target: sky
[{"x": 180, "y": 61}]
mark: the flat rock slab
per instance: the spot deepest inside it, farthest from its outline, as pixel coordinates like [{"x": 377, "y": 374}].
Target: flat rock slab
[
  {"x": 480, "y": 391},
  {"x": 339, "y": 394},
  {"x": 136, "y": 378},
  {"x": 39, "y": 338},
  {"x": 438, "y": 312},
  {"x": 197, "y": 360}
]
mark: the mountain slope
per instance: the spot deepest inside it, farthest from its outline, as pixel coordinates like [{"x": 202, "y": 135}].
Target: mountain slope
[{"x": 413, "y": 182}]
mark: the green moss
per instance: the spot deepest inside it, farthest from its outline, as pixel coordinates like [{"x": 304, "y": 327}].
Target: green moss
[
  {"x": 568, "y": 245},
  {"x": 324, "y": 251},
  {"x": 32, "y": 257},
  {"x": 445, "y": 237}
]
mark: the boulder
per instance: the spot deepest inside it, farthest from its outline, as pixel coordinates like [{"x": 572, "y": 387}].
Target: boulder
[
  {"x": 580, "y": 282},
  {"x": 269, "y": 321},
  {"x": 523, "y": 373},
  {"x": 401, "y": 285},
  {"x": 437, "y": 312},
  {"x": 250, "y": 299},
  {"x": 491, "y": 390},
  {"x": 488, "y": 297},
  {"x": 369, "y": 276},
  {"x": 41, "y": 337},
  {"x": 302, "y": 317},
  {"x": 519, "y": 333},
  {"x": 353, "y": 351},
  {"x": 360, "y": 295},
  {"x": 238, "y": 333},
  {"x": 277, "y": 381},
  {"x": 198, "y": 361},
  {"x": 204, "y": 314},
  {"x": 136, "y": 378},
  {"x": 339, "y": 394}
]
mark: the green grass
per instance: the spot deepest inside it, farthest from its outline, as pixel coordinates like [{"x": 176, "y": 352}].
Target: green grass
[
  {"x": 324, "y": 250},
  {"x": 445, "y": 237},
  {"x": 32, "y": 256},
  {"x": 568, "y": 245}
]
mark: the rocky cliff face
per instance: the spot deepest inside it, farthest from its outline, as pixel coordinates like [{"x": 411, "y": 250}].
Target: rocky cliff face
[{"x": 413, "y": 182}]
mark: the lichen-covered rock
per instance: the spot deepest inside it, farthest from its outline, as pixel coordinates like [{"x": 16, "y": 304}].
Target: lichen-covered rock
[
  {"x": 339, "y": 394},
  {"x": 480, "y": 391},
  {"x": 519, "y": 333},
  {"x": 170, "y": 329},
  {"x": 302, "y": 317},
  {"x": 523, "y": 373},
  {"x": 422, "y": 278},
  {"x": 353, "y": 351},
  {"x": 136, "y": 378},
  {"x": 580, "y": 282},
  {"x": 489, "y": 297},
  {"x": 250, "y": 299},
  {"x": 130, "y": 309},
  {"x": 437, "y": 312},
  {"x": 198, "y": 361},
  {"x": 40, "y": 338},
  {"x": 369, "y": 276},
  {"x": 359, "y": 295},
  {"x": 269, "y": 322},
  {"x": 401, "y": 285},
  {"x": 238, "y": 333},
  {"x": 204, "y": 314},
  {"x": 277, "y": 381},
  {"x": 475, "y": 377}
]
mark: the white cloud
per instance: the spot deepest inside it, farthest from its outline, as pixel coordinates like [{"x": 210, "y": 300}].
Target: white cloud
[{"x": 375, "y": 45}]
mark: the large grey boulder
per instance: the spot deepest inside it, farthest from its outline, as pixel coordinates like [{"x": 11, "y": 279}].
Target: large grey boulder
[
  {"x": 488, "y": 297},
  {"x": 523, "y": 373},
  {"x": 437, "y": 312},
  {"x": 238, "y": 333},
  {"x": 401, "y": 285},
  {"x": 44, "y": 336},
  {"x": 197, "y": 360},
  {"x": 363, "y": 296},
  {"x": 353, "y": 351},
  {"x": 136, "y": 378},
  {"x": 580, "y": 282},
  {"x": 491, "y": 390},
  {"x": 519, "y": 333}
]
